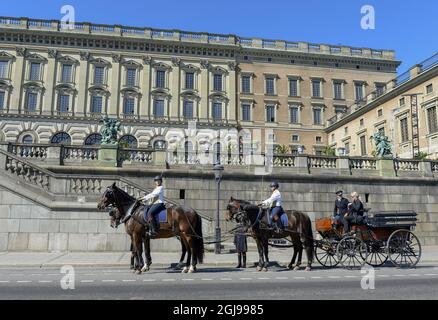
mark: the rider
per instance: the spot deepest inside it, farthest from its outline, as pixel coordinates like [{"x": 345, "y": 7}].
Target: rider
[
  {"x": 275, "y": 208},
  {"x": 157, "y": 206}
]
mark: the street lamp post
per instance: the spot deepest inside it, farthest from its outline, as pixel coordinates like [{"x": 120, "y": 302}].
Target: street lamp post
[{"x": 218, "y": 170}]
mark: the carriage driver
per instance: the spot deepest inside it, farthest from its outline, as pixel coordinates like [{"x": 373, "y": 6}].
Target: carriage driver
[
  {"x": 157, "y": 195},
  {"x": 275, "y": 208}
]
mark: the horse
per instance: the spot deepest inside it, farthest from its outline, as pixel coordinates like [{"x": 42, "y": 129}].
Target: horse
[
  {"x": 184, "y": 223},
  {"x": 115, "y": 222},
  {"x": 299, "y": 229}
]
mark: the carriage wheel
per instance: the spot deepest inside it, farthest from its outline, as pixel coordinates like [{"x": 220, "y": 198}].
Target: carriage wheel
[
  {"x": 377, "y": 255},
  {"x": 404, "y": 249},
  {"x": 352, "y": 253},
  {"x": 325, "y": 253}
]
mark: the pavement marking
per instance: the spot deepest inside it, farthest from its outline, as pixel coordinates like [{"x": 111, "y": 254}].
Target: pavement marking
[
  {"x": 264, "y": 278},
  {"x": 245, "y": 278},
  {"x": 108, "y": 280},
  {"x": 89, "y": 274},
  {"x": 431, "y": 274},
  {"x": 149, "y": 280},
  {"x": 45, "y": 281},
  {"x": 281, "y": 278},
  {"x": 187, "y": 279},
  {"x": 334, "y": 277},
  {"x": 205, "y": 279},
  {"x": 414, "y": 275},
  {"x": 87, "y": 281},
  {"x": 399, "y": 275},
  {"x": 24, "y": 281},
  {"x": 226, "y": 279},
  {"x": 129, "y": 280},
  {"x": 299, "y": 278},
  {"x": 4, "y": 281},
  {"x": 383, "y": 276},
  {"x": 352, "y": 277},
  {"x": 316, "y": 277},
  {"x": 168, "y": 280}
]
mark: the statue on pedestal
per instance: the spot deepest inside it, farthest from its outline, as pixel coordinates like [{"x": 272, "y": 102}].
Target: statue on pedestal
[
  {"x": 383, "y": 147},
  {"x": 109, "y": 130}
]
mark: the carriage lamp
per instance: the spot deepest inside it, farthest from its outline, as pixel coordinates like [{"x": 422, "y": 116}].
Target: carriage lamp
[{"x": 218, "y": 170}]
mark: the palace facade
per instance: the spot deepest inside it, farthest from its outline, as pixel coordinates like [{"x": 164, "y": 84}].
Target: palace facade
[{"x": 57, "y": 81}]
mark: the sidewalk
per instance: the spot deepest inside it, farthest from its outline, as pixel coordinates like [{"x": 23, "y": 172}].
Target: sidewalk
[{"x": 163, "y": 259}]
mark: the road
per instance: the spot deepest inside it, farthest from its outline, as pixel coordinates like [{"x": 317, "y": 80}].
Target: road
[{"x": 217, "y": 283}]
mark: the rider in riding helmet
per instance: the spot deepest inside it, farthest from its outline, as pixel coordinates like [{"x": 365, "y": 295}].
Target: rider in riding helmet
[
  {"x": 274, "y": 204},
  {"x": 157, "y": 206}
]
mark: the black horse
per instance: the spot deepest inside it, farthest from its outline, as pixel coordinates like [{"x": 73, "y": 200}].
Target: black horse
[{"x": 299, "y": 229}]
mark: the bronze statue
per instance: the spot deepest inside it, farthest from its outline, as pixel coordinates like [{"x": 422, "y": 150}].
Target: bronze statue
[
  {"x": 383, "y": 147},
  {"x": 109, "y": 130}
]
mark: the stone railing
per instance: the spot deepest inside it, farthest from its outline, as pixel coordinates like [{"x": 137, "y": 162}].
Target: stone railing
[
  {"x": 283, "y": 161},
  {"x": 135, "y": 155},
  {"x": 407, "y": 165},
  {"x": 29, "y": 151},
  {"x": 363, "y": 163},
  {"x": 186, "y": 36},
  {"x": 79, "y": 153},
  {"x": 434, "y": 165},
  {"x": 322, "y": 162}
]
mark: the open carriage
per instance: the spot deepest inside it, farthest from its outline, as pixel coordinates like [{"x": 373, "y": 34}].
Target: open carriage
[{"x": 385, "y": 236}]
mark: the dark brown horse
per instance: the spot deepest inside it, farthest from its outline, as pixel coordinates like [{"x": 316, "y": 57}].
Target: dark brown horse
[
  {"x": 299, "y": 229},
  {"x": 182, "y": 222}
]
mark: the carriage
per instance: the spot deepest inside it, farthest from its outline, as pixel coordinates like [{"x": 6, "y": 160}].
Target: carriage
[{"x": 385, "y": 236}]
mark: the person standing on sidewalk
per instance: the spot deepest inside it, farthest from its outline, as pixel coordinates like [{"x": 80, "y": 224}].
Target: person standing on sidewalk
[{"x": 241, "y": 246}]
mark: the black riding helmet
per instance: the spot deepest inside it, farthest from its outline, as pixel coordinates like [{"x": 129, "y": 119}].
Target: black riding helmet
[
  {"x": 158, "y": 178},
  {"x": 275, "y": 185}
]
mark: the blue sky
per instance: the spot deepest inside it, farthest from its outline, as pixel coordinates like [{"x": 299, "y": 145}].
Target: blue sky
[{"x": 408, "y": 27}]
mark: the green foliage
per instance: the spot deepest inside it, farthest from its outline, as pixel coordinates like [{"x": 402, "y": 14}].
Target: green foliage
[
  {"x": 422, "y": 156},
  {"x": 282, "y": 149},
  {"x": 329, "y": 151}
]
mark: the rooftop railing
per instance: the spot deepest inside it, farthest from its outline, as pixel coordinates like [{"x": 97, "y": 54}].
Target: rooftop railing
[{"x": 201, "y": 37}]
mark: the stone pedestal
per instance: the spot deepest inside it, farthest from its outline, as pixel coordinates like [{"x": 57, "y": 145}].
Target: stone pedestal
[
  {"x": 386, "y": 167},
  {"x": 159, "y": 158},
  {"x": 108, "y": 155},
  {"x": 54, "y": 156}
]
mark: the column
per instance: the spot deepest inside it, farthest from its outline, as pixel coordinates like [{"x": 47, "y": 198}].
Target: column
[
  {"x": 17, "y": 78},
  {"x": 204, "y": 90},
  {"x": 146, "y": 88},
  {"x": 81, "y": 106},
  {"x": 232, "y": 114},
  {"x": 50, "y": 105},
  {"x": 114, "y": 87},
  {"x": 175, "y": 81}
]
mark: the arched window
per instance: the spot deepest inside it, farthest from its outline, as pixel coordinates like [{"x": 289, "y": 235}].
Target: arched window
[
  {"x": 93, "y": 139},
  {"x": 160, "y": 145},
  {"x": 128, "y": 141},
  {"x": 27, "y": 139},
  {"x": 61, "y": 138},
  {"x": 189, "y": 152}
]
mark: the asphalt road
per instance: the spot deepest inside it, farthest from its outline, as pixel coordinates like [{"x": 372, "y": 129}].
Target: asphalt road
[{"x": 217, "y": 283}]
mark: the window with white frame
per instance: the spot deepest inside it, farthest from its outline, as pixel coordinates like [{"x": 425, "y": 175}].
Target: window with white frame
[
  {"x": 270, "y": 85},
  {"x": 217, "y": 111},
  {"x": 317, "y": 116},
  {"x": 295, "y": 138},
  {"x": 432, "y": 120},
  {"x": 246, "y": 84},
  {"x": 35, "y": 71},
  {"x": 158, "y": 110},
  {"x": 189, "y": 80},
  {"x": 363, "y": 145},
  {"x": 96, "y": 104},
  {"x": 4, "y": 69},
  {"x": 402, "y": 102},
  {"x": 338, "y": 90},
  {"x": 67, "y": 73},
  {"x": 294, "y": 114},
  {"x": 31, "y": 102},
  {"x": 188, "y": 109},
  {"x": 160, "y": 79},
  {"x": 217, "y": 82},
  {"x": 131, "y": 77},
  {"x": 63, "y": 102},
  {"x": 270, "y": 113},
  {"x": 99, "y": 75},
  {"x": 293, "y": 88},
  {"x": 2, "y": 99},
  {"x": 128, "y": 106},
  {"x": 316, "y": 88},
  {"x": 347, "y": 148},
  {"x": 246, "y": 111},
  {"x": 359, "y": 91},
  {"x": 318, "y": 139}
]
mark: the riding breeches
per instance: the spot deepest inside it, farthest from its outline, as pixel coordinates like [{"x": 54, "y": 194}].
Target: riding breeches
[{"x": 276, "y": 211}]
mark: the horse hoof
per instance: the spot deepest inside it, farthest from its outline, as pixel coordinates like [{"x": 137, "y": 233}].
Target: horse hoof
[
  {"x": 145, "y": 269},
  {"x": 308, "y": 269},
  {"x": 259, "y": 268},
  {"x": 185, "y": 270},
  {"x": 297, "y": 268},
  {"x": 138, "y": 272},
  {"x": 192, "y": 270},
  {"x": 265, "y": 269},
  {"x": 290, "y": 267}
]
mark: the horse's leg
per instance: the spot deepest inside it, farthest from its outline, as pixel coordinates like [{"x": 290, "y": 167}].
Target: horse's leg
[
  {"x": 138, "y": 245},
  {"x": 192, "y": 268},
  {"x": 294, "y": 256},
  {"x": 300, "y": 254},
  {"x": 260, "y": 250},
  {"x": 183, "y": 255},
  {"x": 147, "y": 253},
  {"x": 309, "y": 253},
  {"x": 266, "y": 254},
  {"x": 131, "y": 249},
  {"x": 189, "y": 254}
]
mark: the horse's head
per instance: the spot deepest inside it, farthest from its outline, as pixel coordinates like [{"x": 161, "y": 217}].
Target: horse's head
[
  {"x": 108, "y": 198},
  {"x": 233, "y": 208}
]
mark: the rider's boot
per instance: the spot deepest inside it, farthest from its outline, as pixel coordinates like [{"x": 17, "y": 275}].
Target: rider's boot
[
  {"x": 153, "y": 232},
  {"x": 239, "y": 260},
  {"x": 244, "y": 260}
]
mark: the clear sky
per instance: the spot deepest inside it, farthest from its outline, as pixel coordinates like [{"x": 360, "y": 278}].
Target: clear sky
[{"x": 409, "y": 27}]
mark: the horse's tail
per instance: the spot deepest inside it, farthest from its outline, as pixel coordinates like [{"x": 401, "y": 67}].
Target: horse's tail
[
  {"x": 198, "y": 242},
  {"x": 309, "y": 236}
]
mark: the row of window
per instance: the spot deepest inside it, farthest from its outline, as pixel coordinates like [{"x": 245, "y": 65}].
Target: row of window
[{"x": 316, "y": 86}]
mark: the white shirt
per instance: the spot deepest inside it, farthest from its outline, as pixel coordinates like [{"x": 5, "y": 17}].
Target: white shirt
[
  {"x": 275, "y": 197},
  {"x": 158, "y": 192}
]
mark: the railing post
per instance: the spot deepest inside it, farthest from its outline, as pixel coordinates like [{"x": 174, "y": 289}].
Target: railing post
[
  {"x": 343, "y": 165},
  {"x": 386, "y": 167},
  {"x": 159, "y": 157},
  {"x": 302, "y": 163},
  {"x": 54, "y": 155},
  {"x": 426, "y": 168}
]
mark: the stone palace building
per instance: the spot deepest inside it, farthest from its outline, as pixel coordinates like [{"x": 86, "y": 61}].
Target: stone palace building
[{"x": 56, "y": 82}]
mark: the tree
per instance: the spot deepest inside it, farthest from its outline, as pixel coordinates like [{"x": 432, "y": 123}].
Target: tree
[
  {"x": 282, "y": 149},
  {"x": 329, "y": 151}
]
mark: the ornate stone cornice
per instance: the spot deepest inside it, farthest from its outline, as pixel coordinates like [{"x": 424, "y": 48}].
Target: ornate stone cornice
[
  {"x": 205, "y": 64},
  {"x": 53, "y": 53},
  {"x": 85, "y": 55},
  {"x": 21, "y": 51},
  {"x": 147, "y": 60},
  {"x": 117, "y": 58},
  {"x": 176, "y": 62}
]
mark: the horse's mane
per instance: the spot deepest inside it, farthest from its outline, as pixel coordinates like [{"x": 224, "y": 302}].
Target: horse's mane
[
  {"x": 248, "y": 206},
  {"x": 124, "y": 195}
]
